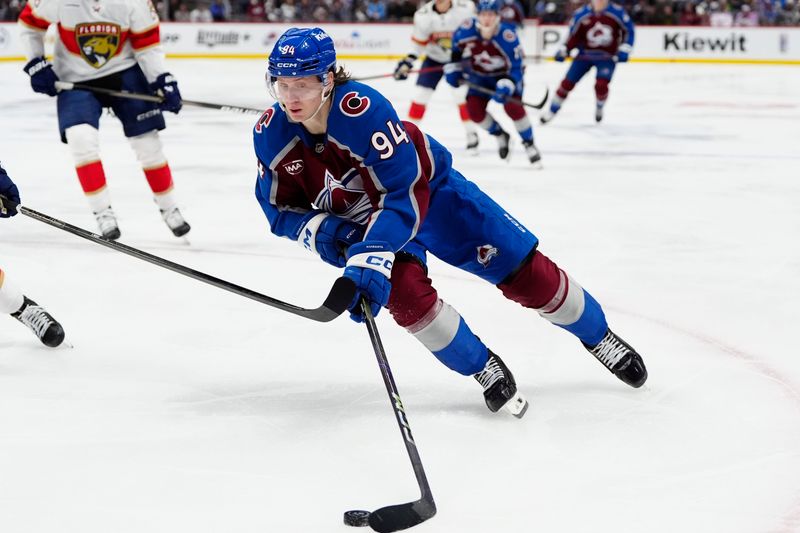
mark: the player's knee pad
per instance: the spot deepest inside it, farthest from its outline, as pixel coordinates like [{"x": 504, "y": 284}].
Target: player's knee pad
[
  {"x": 423, "y": 95},
  {"x": 476, "y": 106},
  {"x": 601, "y": 88},
  {"x": 565, "y": 87},
  {"x": 459, "y": 93},
  {"x": 412, "y": 294},
  {"x": 148, "y": 149},
  {"x": 514, "y": 111},
  {"x": 535, "y": 283},
  {"x": 84, "y": 143}
]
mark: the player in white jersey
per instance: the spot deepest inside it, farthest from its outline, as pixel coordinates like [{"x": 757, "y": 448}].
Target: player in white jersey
[
  {"x": 108, "y": 44},
  {"x": 434, "y": 24}
]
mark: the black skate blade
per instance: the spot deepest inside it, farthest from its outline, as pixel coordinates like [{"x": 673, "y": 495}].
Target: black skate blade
[{"x": 401, "y": 516}]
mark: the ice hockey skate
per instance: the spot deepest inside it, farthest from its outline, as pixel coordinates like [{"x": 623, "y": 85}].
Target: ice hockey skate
[
  {"x": 472, "y": 143},
  {"x": 175, "y": 221},
  {"x": 534, "y": 156},
  {"x": 547, "y": 116},
  {"x": 598, "y": 113},
  {"x": 503, "y": 145},
  {"x": 499, "y": 387},
  {"x": 43, "y": 325},
  {"x": 107, "y": 222},
  {"x": 620, "y": 358}
]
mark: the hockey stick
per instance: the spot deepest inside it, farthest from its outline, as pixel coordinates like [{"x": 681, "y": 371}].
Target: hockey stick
[
  {"x": 337, "y": 301},
  {"x": 68, "y": 86},
  {"x": 403, "y": 515},
  {"x": 391, "y": 74},
  {"x": 490, "y": 92}
]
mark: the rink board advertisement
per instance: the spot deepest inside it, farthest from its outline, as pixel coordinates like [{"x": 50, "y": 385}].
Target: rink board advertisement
[{"x": 776, "y": 45}]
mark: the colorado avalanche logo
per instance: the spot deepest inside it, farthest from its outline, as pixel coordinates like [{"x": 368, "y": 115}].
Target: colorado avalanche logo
[
  {"x": 509, "y": 36},
  {"x": 354, "y": 105},
  {"x": 263, "y": 122},
  {"x": 599, "y": 35},
  {"x": 486, "y": 62},
  {"x": 486, "y": 253},
  {"x": 345, "y": 197}
]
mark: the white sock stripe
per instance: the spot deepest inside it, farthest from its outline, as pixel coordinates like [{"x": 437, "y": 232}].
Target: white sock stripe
[
  {"x": 440, "y": 330},
  {"x": 148, "y": 149},
  {"x": 522, "y": 124},
  {"x": 83, "y": 141},
  {"x": 11, "y": 297},
  {"x": 571, "y": 307}
]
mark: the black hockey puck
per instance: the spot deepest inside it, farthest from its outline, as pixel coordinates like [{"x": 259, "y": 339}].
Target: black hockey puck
[{"x": 356, "y": 518}]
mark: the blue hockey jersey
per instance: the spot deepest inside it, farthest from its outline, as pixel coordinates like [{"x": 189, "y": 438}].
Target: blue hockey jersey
[
  {"x": 369, "y": 167},
  {"x": 489, "y": 60}
]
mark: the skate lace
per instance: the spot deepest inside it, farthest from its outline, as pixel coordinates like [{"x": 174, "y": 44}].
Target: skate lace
[
  {"x": 491, "y": 374},
  {"x": 610, "y": 351},
  {"x": 173, "y": 218},
  {"x": 106, "y": 219},
  {"x": 36, "y": 319}
]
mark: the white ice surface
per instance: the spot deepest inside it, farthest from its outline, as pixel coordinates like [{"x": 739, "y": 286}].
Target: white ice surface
[{"x": 182, "y": 408}]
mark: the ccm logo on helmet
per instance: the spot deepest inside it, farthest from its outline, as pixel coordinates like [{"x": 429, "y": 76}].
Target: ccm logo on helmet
[{"x": 286, "y": 65}]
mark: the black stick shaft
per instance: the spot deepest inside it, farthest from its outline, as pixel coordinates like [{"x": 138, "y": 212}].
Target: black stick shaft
[
  {"x": 490, "y": 92},
  {"x": 397, "y": 404},
  {"x": 336, "y": 302},
  {"x": 155, "y": 99}
]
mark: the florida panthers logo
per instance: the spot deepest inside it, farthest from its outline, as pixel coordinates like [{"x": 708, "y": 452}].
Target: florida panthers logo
[
  {"x": 599, "y": 35},
  {"x": 486, "y": 253},
  {"x": 345, "y": 197},
  {"x": 354, "y": 105},
  {"x": 98, "y": 42}
]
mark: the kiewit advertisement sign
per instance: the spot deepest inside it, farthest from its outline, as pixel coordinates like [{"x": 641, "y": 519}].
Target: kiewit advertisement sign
[{"x": 392, "y": 41}]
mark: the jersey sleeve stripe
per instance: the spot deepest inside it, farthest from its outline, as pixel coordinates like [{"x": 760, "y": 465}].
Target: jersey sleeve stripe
[
  {"x": 148, "y": 38},
  {"x": 29, "y": 19}
]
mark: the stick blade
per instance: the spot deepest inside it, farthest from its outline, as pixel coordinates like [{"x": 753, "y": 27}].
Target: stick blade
[
  {"x": 338, "y": 300},
  {"x": 401, "y": 516}
]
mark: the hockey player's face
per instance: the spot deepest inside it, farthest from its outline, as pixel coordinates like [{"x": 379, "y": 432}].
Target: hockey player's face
[
  {"x": 487, "y": 23},
  {"x": 599, "y": 5},
  {"x": 300, "y": 97}
]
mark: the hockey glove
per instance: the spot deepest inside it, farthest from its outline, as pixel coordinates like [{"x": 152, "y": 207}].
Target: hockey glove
[
  {"x": 369, "y": 265},
  {"x": 623, "y": 52},
  {"x": 330, "y": 236},
  {"x": 453, "y": 74},
  {"x": 7, "y": 190},
  {"x": 561, "y": 54},
  {"x": 43, "y": 79},
  {"x": 403, "y": 67},
  {"x": 167, "y": 87},
  {"x": 503, "y": 90}
]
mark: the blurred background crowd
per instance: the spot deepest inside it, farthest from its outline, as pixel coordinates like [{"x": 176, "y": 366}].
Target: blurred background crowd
[{"x": 651, "y": 12}]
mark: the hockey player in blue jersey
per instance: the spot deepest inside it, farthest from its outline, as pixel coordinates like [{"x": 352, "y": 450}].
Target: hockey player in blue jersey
[
  {"x": 487, "y": 54},
  {"x": 603, "y": 34},
  {"x": 342, "y": 175}
]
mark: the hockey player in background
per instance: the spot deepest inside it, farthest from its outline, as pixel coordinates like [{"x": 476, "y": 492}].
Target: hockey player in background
[
  {"x": 511, "y": 11},
  {"x": 12, "y": 301},
  {"x": 339, "y": 173},
  {"x": 112, "y": 44},
  {"x": 602, "y": 33},
  {"x": 434, "y": 24},
  {"x": 487, "y": 54}
]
